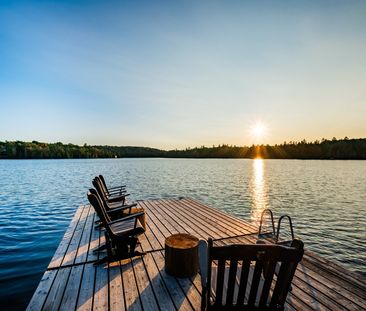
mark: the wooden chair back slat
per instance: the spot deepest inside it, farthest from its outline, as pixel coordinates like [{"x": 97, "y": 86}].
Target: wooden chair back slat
[
  {"x": 243, "y": 282},
  {"x": 231, "y": 282},
  {"x": 98, "y": 186},
  {"x": 220, "y": 281},
  {"x": 102, "y": 185},
  {"x": 287, "y": 271},
  {"x": 269, "y": 271},
  {"x": 287, "y": 284},
  {"x": 255, "y": 283},
  {"x": 283, "y": 283},
  {"x": 102, "y": 180}
]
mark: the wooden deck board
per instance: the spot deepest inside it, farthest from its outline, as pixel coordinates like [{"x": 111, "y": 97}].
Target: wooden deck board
[
  {"x": 130, "y": 289},
  {"x": 74, "y": 244},
  {"x": 145, "y": 286},
  {"x": 101, "y": 290},
  {"x": 70, "y": 296},
  {"x": 158, "y": 284},
  {"x": 42, "y": 291},
  {"x": 64, "y": 244},
  {"x": 83, "y": 248},
  {"x": 94, "y": 242},
  {"x": 186, "y": 285},
  {"x": 115, "y": 287},
  {"x": 85, "y": 295},
  {"x": 184, "y": 222},
  {"x": 71, "y": 282},
  {"x": 155, "y": 266},
  {"x": 57, "y": 290}
]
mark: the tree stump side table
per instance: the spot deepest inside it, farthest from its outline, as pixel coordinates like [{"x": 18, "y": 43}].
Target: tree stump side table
[{"x": 181, "y": 255}]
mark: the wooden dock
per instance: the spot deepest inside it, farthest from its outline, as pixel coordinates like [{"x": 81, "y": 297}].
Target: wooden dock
[{"x": 71, "y": 282}]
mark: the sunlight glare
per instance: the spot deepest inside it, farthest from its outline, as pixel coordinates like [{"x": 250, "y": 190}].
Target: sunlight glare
[
  {"x": 258, "y": 130},
  {"x": 258, "y": 190},
  {"x": 258, "y": 172}
]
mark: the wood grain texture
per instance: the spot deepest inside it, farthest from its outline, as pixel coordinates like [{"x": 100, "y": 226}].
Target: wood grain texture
[{"x": 71, "y": 282}]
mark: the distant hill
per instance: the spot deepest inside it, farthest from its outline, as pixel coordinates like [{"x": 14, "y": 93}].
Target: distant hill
[{"x": 324, "y": 149}]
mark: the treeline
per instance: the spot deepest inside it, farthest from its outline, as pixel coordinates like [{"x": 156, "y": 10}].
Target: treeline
[
  {"x": 343, "y": 149},
  {"x": 324, "y": 149},
  {"x": 40, "y": 150}
]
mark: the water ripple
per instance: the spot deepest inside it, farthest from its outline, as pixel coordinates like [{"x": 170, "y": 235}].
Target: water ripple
[{"x": 38, "y": 198}]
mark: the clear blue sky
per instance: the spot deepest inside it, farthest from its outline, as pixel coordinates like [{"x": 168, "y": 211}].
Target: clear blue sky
[{"x": 181, "y": 73}]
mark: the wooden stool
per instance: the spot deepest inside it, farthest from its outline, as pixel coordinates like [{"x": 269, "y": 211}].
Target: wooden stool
[{"x": 181, "y": 255}]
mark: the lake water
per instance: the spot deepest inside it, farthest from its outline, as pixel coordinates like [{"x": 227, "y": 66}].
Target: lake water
[{"x": 326, "y": 199}]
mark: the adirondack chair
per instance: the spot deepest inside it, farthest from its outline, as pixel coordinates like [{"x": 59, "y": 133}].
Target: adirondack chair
[
  {"x": 242, "y": 277},
  {"x": 117, "y": 190},
  {"x": 112, "y": 201},
  {"x": 116, "y": 211},
  {"x": 121, "y": 234}
]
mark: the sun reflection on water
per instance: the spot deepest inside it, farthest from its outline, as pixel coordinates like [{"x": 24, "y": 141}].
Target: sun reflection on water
[{"x": 258, "y": 190}]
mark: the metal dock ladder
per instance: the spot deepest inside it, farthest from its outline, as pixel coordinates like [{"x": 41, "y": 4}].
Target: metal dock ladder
[{"x": 275, "y": 236}]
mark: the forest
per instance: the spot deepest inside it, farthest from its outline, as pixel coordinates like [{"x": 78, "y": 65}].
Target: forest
[{"x": 325, "y": 149}]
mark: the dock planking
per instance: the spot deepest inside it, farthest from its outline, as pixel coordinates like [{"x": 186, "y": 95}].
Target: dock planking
[{"x": 71, "y": 282}]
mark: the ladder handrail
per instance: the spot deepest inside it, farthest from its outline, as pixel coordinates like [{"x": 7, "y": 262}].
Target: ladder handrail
[
  {"x": 279, "y": 226},
  {"x": 267, "y": 210}
]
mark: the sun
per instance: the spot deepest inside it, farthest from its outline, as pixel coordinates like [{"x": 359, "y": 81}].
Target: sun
[{"x": 258, "y": 130}]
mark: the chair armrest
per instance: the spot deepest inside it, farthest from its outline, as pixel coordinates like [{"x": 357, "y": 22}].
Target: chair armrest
[
  {"x": 117, "y": 187},
  {"x": 118, "y": 204},
  {"x": 117, "y": 191},
  {"x": 121, "y": 208},
  {"x": 135, "y": 215},
  {"x": 117, "y": 198}
]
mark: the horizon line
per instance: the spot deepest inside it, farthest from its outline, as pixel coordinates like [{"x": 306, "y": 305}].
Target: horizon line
[{"x": 194, "y": 147}]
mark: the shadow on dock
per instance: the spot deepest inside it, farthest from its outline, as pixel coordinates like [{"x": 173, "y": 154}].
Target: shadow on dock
[{"x": 71, "y": 282}]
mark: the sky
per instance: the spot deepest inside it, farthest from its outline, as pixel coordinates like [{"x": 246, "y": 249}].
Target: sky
[{"x": 176, "y": 74}]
